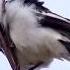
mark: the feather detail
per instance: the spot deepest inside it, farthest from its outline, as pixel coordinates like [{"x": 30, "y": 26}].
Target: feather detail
[{"x": 33, "y": 42}]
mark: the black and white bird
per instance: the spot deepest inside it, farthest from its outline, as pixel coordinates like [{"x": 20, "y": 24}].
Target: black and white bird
[{"x": 39, "y": 34}]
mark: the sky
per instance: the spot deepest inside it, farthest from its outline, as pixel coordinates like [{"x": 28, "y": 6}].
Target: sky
[
  {"x": 58, "y": 65},
  {"x": 4, "y": 64},
  {"x": 60, "y": 7}
]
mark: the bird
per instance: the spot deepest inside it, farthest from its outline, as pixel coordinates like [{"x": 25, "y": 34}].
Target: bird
[{"x": 38, "y": 34}]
